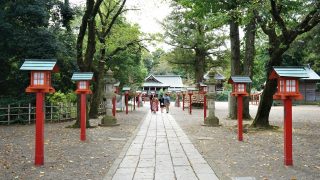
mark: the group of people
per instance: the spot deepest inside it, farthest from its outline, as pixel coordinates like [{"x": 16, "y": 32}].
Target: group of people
[{"x": 164, "y": 102}]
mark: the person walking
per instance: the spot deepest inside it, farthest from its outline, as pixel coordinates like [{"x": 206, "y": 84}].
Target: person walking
[
  {"x": 167, "y": 102},
  {"x": 161, "y": 101},
  {"x": 154, "y": 105}
]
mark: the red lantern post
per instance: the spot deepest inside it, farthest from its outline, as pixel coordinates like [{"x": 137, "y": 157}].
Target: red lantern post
[
  {"x": 83, "y": 88},
  {"x": 40, "y": 83},
  {"x": 190, "y": 92},
  {"x": 288, "y": 89},
  {"x": 239, "y": 90},
  {"x": 183, "y": 98}
]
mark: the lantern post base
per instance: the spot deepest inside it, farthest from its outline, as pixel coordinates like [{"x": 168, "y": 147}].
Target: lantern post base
[{"x": 211, "y": 121}]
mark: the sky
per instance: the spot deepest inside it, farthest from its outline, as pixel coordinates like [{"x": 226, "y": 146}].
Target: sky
[{"x": 148, "y": 15}]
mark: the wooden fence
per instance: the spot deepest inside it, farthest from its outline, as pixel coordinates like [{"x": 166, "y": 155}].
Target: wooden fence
[{"x": 26, "y": 113}]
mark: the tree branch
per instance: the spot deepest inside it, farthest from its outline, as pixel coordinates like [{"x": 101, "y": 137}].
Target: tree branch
[
  {"x": 114, "y": 18},
  {"x": 276, "y": 15},
  {"x": 118, "y": 49}
]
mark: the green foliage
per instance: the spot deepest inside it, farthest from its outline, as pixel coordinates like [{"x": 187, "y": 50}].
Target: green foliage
[
  {"x": 31, "y": 29},
  {"x": 59, "y": 97}
]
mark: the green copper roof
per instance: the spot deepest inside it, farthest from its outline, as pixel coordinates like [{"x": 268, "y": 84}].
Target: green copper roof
[
  {"x": 38, "y": 64},
  {"x": 82, "y": 76},
  {"x": 312, "y": 75},
  {"x": 298, "y": 72},
  {"x": 239, "y": 79}
]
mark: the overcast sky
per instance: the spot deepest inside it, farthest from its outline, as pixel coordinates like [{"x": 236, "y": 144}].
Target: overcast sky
[{"x": 148, "y": 15}]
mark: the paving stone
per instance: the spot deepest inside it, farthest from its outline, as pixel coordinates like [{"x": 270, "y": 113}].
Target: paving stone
[
  {"x": 146, "y": 162},
  {"x": 129, "y": 161},
  {"x": 184, "y": 173},
  {"x": 180, "y": 161},
  {"x": 164, "y": 176},
  {"x": 144, "y": 174},
  {"x": 148, "y": 151},
  {"x": 124, "y": 174},
  {"x": 133, "y": 152}
]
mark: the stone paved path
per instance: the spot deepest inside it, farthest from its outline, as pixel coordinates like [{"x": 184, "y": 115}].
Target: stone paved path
[{"x": 160, "y": 151}]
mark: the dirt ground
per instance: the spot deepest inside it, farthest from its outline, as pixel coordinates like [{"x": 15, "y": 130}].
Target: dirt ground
[
  {"x": 65, "y": 156},
  {"x": 260, "y": 155}
]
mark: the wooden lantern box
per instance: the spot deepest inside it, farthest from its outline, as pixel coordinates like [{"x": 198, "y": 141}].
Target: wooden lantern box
[
  {"x": 83, "y": 82},
  {"x": 239, "y": 85},
  {"x": 40, "y": 76},
  {"x": 288, "y": 81}
]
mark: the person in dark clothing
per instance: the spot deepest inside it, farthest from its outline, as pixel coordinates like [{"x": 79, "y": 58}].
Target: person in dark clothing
[{"x": 161, "y": 100}]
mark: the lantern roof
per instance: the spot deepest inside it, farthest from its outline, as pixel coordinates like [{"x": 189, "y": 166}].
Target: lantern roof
[
  {"x": 40, "y": 65},
  {"x": 126, "y": 89},
  {"x": 288, "y": 71},
  {"x": 82, "y": 76},
  {"x": 312, "y": 75},
  {"x": 239, "y": 79}
]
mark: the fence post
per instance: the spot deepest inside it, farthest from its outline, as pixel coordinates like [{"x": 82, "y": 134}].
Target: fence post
[
  {"x": 29, "y": 113},
  {"x": 51, "y": 112},
  {"x": 19, "y": 111},
  {"x": 9, "y": 114}
]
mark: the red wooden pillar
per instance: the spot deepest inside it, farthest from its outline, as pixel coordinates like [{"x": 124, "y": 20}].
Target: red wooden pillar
[
  {"x": 138, "y": 100},
  {"x": 183, "y": 102},
  {"x": 190, "y": 103},
  {"x": 39, "y": 144},
  {"x": 240, "y": 107},
  {"x": 83, "y": 117},
  {"x": 126, "y": 103},
  {"x": 114, "y": 106},
  {"x": 288, "y": 132},
  {"x": 204, "y": 106}
]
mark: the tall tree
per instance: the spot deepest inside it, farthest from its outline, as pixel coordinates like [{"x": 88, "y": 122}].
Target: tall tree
[
  {"x": 282, "y": 22},
  {"x": 248, "y": 64},
  {"x": 108, "y": 14},
  {"x": 85, "y": 56},
  {"x": 194, "y": 33}
]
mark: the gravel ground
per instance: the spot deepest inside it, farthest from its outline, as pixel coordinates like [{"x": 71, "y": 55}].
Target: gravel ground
[
  {"x": 260, "y": 155},
  {"x": 65, "y": 156}
]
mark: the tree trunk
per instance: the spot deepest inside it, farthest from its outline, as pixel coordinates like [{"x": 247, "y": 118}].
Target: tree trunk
[
  {"x": 235, "y": 62},
  {"x": 250, "y": 33},
  {"x": 98, "y": 90},
  {"x": 262, "y": 117},
  {"x": 199, "y": 65}
]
